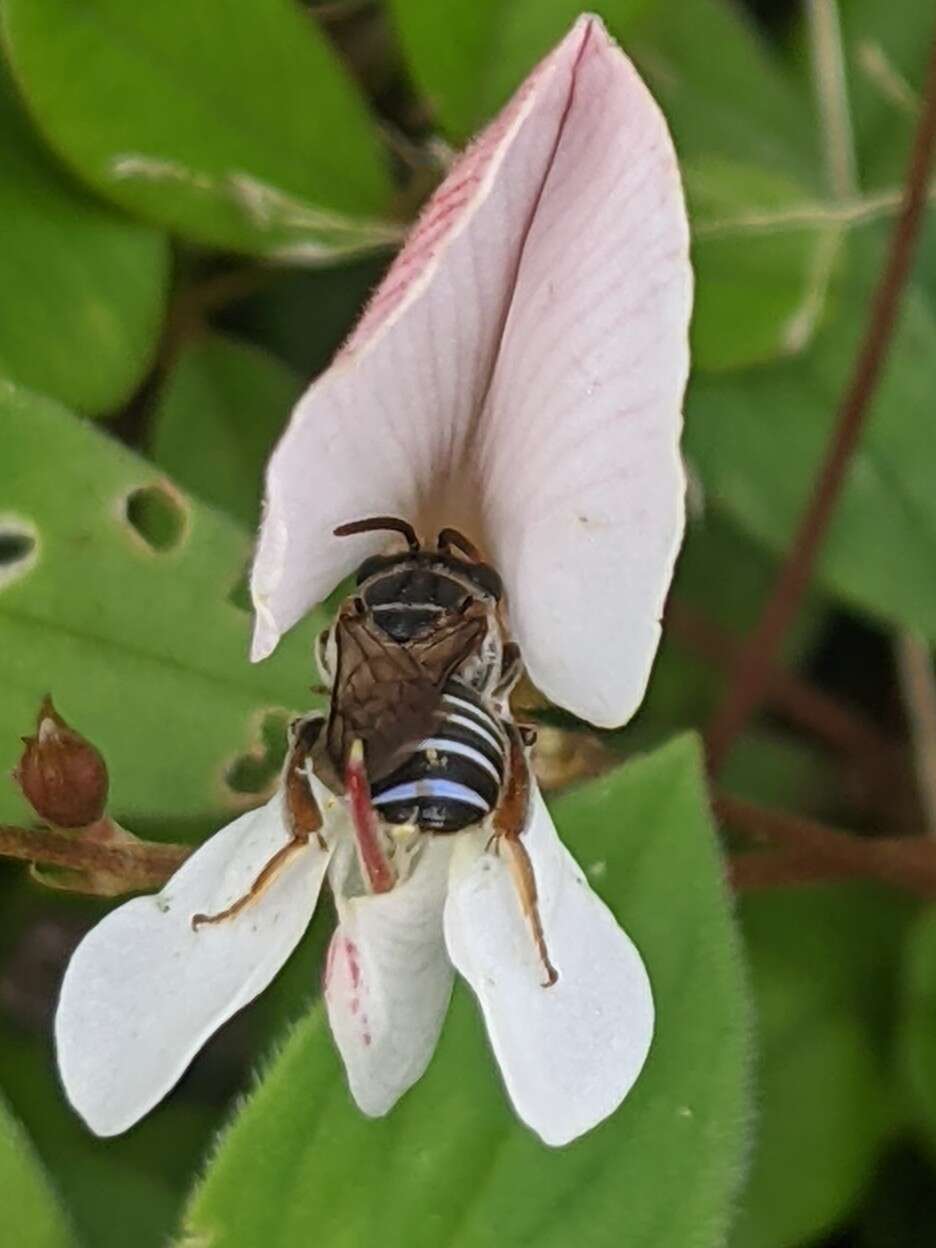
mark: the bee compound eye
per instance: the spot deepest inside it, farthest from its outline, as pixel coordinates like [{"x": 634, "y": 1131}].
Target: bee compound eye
[{"x": 487, "y": 579}]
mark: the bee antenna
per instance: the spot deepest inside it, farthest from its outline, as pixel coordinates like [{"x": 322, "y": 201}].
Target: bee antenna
[
  {"x": 452, "y": 537},
  {"x": 379, "y": 523}
]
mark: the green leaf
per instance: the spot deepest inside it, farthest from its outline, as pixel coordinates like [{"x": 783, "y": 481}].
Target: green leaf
[
  {"x": 229, "y": 121},
  {"x": 886, "y": 48},
  {"x": 823, "y": 964},
  {"x": 918, "y": 1025},
  {"x": 221, "y": 410},
  {"x": 722, "y": 91},
  {"x": 450, "y": 1165},
  {"x": 757, "y": 440},
  {"x": 304, "y": 315},
  {"x": 448, "y": 48},
  {"x": 31, "y": 1214},
  {"x": 117, "y": 594},
  {"x": 759, "y": 292},
  {"x": 686, "y": 682},
  {"x": 84, "y": 289},
  {"x": 117, "y": 1193},
  {"x": 740, "y": 128}
]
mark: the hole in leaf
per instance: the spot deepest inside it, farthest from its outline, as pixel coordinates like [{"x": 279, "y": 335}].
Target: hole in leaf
[
  {"x": 18, "y": 548},
  {"x": 255, "y": 771},
  {"x": 157, "y": 516},
  {"x": 14, "y": 547}
]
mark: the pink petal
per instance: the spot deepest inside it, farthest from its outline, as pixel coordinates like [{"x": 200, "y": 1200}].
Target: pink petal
[
  {"x": 384, "y": 429},
  {"x": 520, "y": 374},
  {"x": 579, "y": 445},
  {"x": 569, "y": 1053},
  {"x": 388, "y": 981}
]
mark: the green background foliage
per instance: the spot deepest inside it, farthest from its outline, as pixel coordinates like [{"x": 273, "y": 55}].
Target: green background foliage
[{"x": 196, "y": 201}]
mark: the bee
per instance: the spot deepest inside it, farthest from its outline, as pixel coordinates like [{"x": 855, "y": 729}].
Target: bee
[{"x": 418, "y": 739}]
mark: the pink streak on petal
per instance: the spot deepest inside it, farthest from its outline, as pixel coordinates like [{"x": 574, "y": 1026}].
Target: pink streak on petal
[
  {"x": 389, "y": 981},
  {"x": 583, "y": 482},
  {"x": 384, "y": 429}
]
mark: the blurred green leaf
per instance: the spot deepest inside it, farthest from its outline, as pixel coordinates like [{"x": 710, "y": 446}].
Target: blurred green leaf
[
  {"x": 918, "y": 1025},
  {"x": 723, "y": 92},
  {"x": 31, "y": 1214},
  {"x": 301, "y": 1163},
  {"x": 229, "y": 121},
  {"x": 686, "y": 681},
  {"x": 757, "y": 439},
  {"x": 759, "y": 291},
  {"x": 742, "y": 131},
  {"x": 899, "y": 1211},
  {"x": 823, "y": 966},
  {"x": 886, "y": 47},
  {"x": 303, "y": 315},
  {"x": 781, "y": 770},
  {"x": 129, "y": 621},
  {"x": 449, "y": 48},
  {"x": 83, "y": 288},
  {"x": 218, "y": 416},
  {"x": 118, "y": 1193}
]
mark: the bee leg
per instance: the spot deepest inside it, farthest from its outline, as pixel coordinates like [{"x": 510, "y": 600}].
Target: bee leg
[
  {"x": 510, "y": 819},
  {"x": 375, "y": 865},
  {"x": 511, "y": 670},
  {"x": 303, "y": 815},
  {"x": 266, "y": 877}
]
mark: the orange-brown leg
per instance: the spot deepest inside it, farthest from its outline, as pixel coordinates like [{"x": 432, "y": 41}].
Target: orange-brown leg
[
  {"x": 266, "y": 877},
  {"x": 509, "y": 821},
  {"x": 305, "y": 821}
]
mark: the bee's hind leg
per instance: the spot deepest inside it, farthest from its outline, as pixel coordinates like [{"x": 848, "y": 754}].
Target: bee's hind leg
[
  {"x": 510, "y": 820},
  {"x": 302, "y": 813}
]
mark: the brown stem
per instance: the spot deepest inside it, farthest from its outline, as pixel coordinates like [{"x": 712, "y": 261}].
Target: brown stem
[
  {"x": 842, "y": 727},
  {"x": 804, "y": 850},
  {"x": 780, "y": 868},
  {"x": 144, "y": 866},
  {"x": 752, "y": 673}
]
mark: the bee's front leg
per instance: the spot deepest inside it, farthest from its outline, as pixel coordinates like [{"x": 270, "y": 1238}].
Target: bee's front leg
[
  {"x": 510, "y": 820},
  {"x": 303, "y": 817}
]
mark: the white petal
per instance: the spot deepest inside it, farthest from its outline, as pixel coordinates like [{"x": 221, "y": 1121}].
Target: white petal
[
  {"x": 570, "y": 1053},
  {"x": 143, "y": 991},
  {"x": 388, "y": 982},
  {"x": 583, "y": 482},
  {"x": 384, "y": 429}
]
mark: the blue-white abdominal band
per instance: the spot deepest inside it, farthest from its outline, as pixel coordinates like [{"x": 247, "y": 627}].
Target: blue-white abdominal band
[{"x": 415, "y": 789}]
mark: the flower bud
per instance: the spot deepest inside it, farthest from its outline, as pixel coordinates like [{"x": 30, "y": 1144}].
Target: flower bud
[{"x": 62, "y": 776}]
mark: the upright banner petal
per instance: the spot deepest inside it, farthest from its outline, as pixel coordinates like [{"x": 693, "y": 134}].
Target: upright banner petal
[
  {"x": 519, "y": 373},
  {"x": 579, "y": 444}
]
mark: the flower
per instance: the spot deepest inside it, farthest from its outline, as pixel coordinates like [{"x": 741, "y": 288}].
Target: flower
[{"x": 518, "y": 374}]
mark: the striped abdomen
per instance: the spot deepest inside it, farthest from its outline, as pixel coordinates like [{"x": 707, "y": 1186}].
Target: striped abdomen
[{"x": 453, "y": 778}]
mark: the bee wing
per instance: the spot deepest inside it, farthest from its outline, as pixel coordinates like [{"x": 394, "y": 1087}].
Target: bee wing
[
  {"x": 388, "y": 981},
  {"x": 568, "y": 1053},
  {"x": 144, "y": 991},
  {"x": 387, "y": 694}
]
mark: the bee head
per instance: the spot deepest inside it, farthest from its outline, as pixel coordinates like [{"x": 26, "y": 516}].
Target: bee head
[{"x": 468, "y": 564}]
